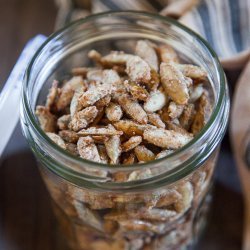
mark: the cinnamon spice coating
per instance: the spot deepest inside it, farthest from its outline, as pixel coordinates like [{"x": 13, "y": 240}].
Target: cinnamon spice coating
[{"x": 126, "y": 105}]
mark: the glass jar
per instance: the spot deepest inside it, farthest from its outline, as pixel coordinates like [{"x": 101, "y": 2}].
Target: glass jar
[{"x": 164, "y": 205}]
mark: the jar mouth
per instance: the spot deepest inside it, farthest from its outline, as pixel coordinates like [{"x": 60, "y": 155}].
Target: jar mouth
[{"x": 42, "y": 136}]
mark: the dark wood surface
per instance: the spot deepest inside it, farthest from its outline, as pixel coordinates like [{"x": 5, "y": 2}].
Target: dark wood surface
[{"x": 26, "y": 218}]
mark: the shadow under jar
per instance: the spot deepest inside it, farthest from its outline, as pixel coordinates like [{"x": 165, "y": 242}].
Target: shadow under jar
[{"x": 162, "y": 210}]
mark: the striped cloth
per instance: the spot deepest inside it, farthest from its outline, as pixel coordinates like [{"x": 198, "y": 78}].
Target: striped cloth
[{"x": 225, "y": 24}]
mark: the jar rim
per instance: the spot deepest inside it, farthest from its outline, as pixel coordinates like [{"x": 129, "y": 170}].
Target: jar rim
[{"x": 216, "y": 109}]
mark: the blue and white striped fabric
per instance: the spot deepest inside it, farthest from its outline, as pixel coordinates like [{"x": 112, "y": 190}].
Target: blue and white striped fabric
[
  {"x": 225, "y": 24},
  {"x": 141, "y": 5}
]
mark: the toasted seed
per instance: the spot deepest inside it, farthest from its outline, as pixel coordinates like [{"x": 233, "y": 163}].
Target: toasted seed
[
  {"x": 120, "y": 176},
  {"x": 141, "y": 225},
  {"x": 136, "y": 90},
  {"x": 142, "y": 213},
  {"x": 145, "y": 50},
  {"x": 80, "y": 71},
  {"x": 63, "y": 122},
  {"x": 89, "y": 216},
  {"x": 119, "y": 90},
  {"x": 120, "y": 69},
  {"x": 164, "y": 197},
  {"x": 94, "y": 94},
  {"x": 166, "y": 138},
  {"x": 104, "y": 121},
  {"x": 56, "y": 139},
  {"x": 199, "y": 182},
  {"x": 103, "y": 154},
  {"x": 156, "y": 214},
  {"x": 203, "y": 113},
  {"x": 46, "y": 119},
  {"x": 138, "y": 69},
  {"x": 187, "y": 117},
  {"x": 131, "y": 128},
  {"x": 106, "y": 131},
  {"x": 72, "y": 148},
  {"x": 103, "y": 102},
  {"x": 99, "y": 117},
  {"x": 99, "y": 139},
  {"x": 133, "y": 109},
  {"x": 130, "y": 159},
  {"x": 192, "y": 71},
  {"x": 177, "y": 128},
  {"x": 68, "y": 90},
  {"x": 156, "y": 101},
  {"x": 94, "y": 75},
  {"x": 196, "y": 93},
  {"x": 69, "y": 136},
  {"x": 164, "y": 114},
  {"x": 154, "y": 82},
  {"x": 113, "y": 147},
  {"x": 110, "y": 227},
  {"x": 93, "y": 84},
  {"x": 175, "y": 121},
  {"x": 164, "y": 153},
  {"x": 95, "y": 201},
  {"x": 95, "y": 56},
  {"x": 186, "y": 191},
  {"x": 175, "y": 110},
  {"x": 174, "y": 83},
  {"x": 113, "y": 112},
  {"x": 139, "y": 174},
  {"x": 111, "y": 78},
  {"x": 53, "y": 94},
  {"x": 83, "y": 118},
  {"x": 87, "y": 149},
  {"x": 144, "y": 154},
  {"x": 131, "y": 143},
  {"x": 115, "y": 57},
  {"x": 155, "y": 120},
  {"x": 75, "y": 105},
  {"x": 167, "y": 54}
]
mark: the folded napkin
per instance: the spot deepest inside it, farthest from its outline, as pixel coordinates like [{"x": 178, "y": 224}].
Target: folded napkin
[
  {"x": 225, "y": 24},
  {"x": 10, "y": 95}
]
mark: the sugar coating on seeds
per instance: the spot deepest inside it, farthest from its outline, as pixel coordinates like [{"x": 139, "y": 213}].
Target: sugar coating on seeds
[
  {"x": 166, "y": 138},
  {"x": 131, "y": 143},
  {"x": 57, "y": 139},
  {"x": 145, "y": 50},
  {"x": 114, "y": 112},
  {"x": 133, "y": 109},
  {"x": 138, "y": 69},
  {"x": 129, "y": 108},
  {"x": 131, "y": 121},
  {"x": 82, "y": 118},
  {"x": 87, "y": 149},
  {"x": 174, "y": 83},
  {"x": 156, "y": 101}
]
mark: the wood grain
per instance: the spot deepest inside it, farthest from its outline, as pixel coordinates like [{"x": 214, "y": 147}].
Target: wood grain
[{"x": 19, "y": 21}]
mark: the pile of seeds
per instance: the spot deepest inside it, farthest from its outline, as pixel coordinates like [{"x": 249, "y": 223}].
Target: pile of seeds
[{"x": 129, "y": 108}]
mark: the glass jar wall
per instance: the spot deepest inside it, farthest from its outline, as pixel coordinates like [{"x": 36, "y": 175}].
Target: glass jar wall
[{"x": 164, "y": 207}]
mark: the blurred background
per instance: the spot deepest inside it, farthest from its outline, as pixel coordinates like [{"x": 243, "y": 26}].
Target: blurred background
[{"x": 26, "y": 218}]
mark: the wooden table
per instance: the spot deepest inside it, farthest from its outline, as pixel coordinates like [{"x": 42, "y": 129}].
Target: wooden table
[{"x": 26, "y": 218}]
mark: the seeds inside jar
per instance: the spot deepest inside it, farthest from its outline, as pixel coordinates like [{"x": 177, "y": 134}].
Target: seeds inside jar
[{"x": 155, "y": 103}]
